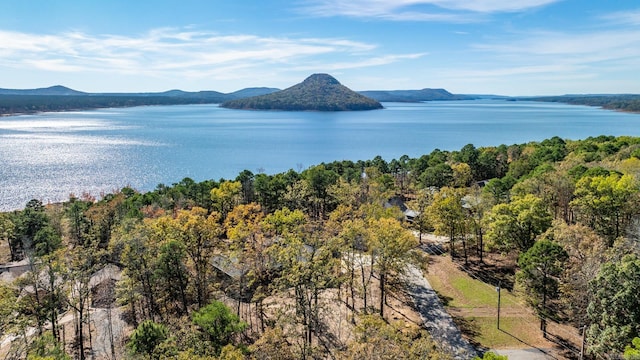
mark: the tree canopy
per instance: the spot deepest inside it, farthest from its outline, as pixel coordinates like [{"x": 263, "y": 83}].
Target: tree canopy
[{"x": 309, "y": 255}]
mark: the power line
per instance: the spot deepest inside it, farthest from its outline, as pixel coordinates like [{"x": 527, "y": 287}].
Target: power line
[{"x": 486, "y": 280}]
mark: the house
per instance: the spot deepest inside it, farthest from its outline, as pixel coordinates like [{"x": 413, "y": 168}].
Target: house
[
  {"x": 232, "y": 272},
  {"x": 14, "y": 270},
  {"x": 397, "y": 201}
]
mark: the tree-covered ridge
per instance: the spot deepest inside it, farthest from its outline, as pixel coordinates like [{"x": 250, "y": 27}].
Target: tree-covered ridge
[
  {"x": 280, "y": 265},
  {"x": 629, "y": 102},
  {"x": 319, "y": 92},
  {"x": 59, "y": 98},
  {"x": 28, "y": 104},
  {"x": 52, "y": 90}
]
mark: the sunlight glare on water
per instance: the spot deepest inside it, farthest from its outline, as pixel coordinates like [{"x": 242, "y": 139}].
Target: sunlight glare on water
[{"x": 51, "y": 155}]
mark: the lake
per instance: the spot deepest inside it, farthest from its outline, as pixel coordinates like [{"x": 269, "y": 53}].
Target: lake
[{"x": 48, "y": 156}]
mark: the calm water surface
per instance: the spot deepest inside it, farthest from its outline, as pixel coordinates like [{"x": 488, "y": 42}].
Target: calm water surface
[{"x": 49, "y": 156}]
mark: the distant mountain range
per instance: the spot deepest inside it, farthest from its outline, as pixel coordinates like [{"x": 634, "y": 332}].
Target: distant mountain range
[
  {"x": 53, "y": 90},
  {"x": 59, "y": 90},
  {"x": 318, "y": 92},
  {"x": 220, "y": 97},
  {"x": 60, "y": 98}
]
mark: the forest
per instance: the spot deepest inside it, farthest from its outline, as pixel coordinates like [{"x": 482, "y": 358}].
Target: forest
[
  {"x": 311, "y": 264},
  {"x": 630, "y": 103},
  {"x": 29, "y": 104}
]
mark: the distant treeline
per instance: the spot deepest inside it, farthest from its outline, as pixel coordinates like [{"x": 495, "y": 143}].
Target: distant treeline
[
  {"x": 27, "y": 104},
  {"x": 629, "y": 103}
]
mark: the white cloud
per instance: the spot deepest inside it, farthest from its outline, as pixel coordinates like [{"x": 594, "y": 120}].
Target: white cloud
[
  {"x": 52, "y": 65},
  {"x": 177, "y": 52},
  {"x": 419, "y": 10},
  {"x": 631, "y": 17},
  {"x": 566, "y": 47},
  {"x": 374, "y": 61},
  {"x": 507, "y": 71},
  {"x": 488, "y": 6},
  {"x": 538, "y": 62}
]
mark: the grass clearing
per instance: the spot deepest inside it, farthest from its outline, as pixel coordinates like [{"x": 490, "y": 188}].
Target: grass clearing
[
  {"x": 458, "y": 290},
  {"x": 513, "y": 332},
  {"x": 474, "y": 293},
  {"x": 473, "y": 304}
]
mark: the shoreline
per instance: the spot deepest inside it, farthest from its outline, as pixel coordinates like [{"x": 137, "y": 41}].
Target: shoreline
[
  {"x": 15, "y": 105},
  {"x": 119, "y": 106},
  {"x": 35, "y": 112}
]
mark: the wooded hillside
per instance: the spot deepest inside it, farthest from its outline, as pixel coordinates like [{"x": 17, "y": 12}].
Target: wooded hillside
[
  {"x": 318, "y": 92},
  {"x": 629, "y": 102}
]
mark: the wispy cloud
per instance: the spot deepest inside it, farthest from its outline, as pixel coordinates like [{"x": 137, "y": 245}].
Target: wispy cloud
[
  {"x": 419, "y": 10},
  {"x": 559, "y": 60},
  {"x": 488, "y": 6},
  {"x": 508, "y": 71},
  {"x": 368, "y": 62},
  {"x": 178, "y": 52},
  {"x": 558, "y": 46},
  {"x": 623, "y": 17}
]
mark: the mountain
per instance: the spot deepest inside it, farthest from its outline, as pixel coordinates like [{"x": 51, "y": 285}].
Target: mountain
[
  {"x": 318, "y": 92},
  {"x": 413, "y": 95},
  {"x": 53, "y": 90}
]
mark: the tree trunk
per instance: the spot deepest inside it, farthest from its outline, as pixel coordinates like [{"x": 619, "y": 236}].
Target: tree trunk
[
  {"x": 110, "y": 331},
  {"x": 481, "y": 245},
  {"x": 12, "y": 251},
  {"x": 148, "y": 289},
  {"x": 183, "y": 296},
  {"x": 315, "y": 316},
  {"x": 80, "y": 334},
  {"x": 54, "y": 302},
  {"x": 543, "y": 321},
  {"x": 239, "y": 295},
  {"x": 382, "y": 292},
  {"x": 260, "y": 311},
  {"x": 353, "y": 293},
  {"x": 464, "y": 248},
  {"x": 452, "y": 243},
  {"x": 133, "y": 313},
  {"x": 35, "y": 274},
  {"x": 90, "y": 334},
  {"x": 364, "y": 287}
]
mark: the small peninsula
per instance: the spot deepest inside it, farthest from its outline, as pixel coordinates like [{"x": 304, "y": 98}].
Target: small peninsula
[{"x": 318, "y": 92}]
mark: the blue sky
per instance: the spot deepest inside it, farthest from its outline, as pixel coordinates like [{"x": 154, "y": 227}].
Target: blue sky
[{"x": 510, "y": 47}]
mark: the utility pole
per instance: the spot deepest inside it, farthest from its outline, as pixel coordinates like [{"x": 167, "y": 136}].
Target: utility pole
[{"x": 498, "y": 290}]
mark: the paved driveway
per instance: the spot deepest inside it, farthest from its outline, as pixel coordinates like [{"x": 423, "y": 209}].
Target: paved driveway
[
  {"x": 524, "y": 354},
  {"x": 436, "y": 320}
]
